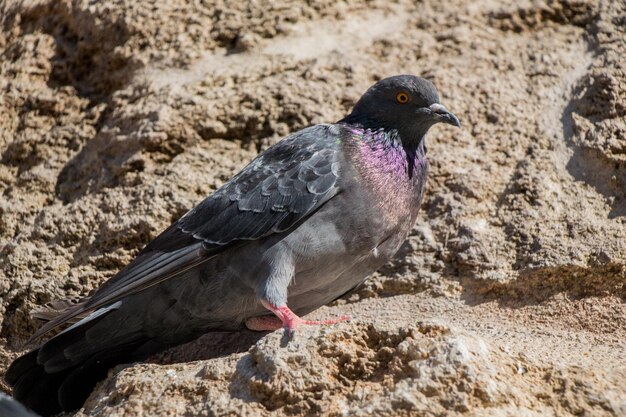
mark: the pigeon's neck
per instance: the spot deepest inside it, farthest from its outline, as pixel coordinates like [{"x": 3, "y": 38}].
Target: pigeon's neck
[
  {"x": 412, "y": 134},
  {"x": 386, "y": 152}
]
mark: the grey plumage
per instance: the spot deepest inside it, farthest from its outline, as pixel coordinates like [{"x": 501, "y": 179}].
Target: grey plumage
[{"x": 301, "y": 225}]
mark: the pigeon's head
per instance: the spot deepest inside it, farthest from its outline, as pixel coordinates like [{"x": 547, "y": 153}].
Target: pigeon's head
[{"x": 405, "y": 103}]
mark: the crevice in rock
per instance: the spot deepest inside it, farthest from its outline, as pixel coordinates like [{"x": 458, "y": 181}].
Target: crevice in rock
[{"x": 535, "y": 286}]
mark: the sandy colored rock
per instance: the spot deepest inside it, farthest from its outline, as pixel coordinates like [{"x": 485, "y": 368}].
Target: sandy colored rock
[{"x": 507, "y": 299}]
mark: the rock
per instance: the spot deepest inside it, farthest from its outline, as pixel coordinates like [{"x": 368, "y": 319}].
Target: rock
[
  {"x": 508, "y": 297},
  {"x": 358, "y": 370}
]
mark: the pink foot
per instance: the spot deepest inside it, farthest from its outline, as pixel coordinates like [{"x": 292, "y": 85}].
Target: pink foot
[{"x": 287, "y": 319}]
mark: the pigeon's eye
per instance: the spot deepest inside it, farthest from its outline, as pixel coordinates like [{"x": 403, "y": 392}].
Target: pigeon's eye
[{"x": 402, "y": 98}]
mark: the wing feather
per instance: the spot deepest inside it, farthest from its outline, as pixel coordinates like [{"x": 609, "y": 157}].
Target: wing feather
[{"x": 281, "y": 187}]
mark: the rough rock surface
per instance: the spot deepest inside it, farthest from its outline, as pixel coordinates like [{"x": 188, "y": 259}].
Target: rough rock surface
[{"x": 508, "y": 298}]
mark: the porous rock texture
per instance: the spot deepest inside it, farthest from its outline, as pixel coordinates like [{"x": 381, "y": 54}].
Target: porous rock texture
[{"x": 508, "y": 298}]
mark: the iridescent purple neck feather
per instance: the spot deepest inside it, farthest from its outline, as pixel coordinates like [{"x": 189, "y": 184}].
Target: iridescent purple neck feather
[{"x": 386, "y": 151}]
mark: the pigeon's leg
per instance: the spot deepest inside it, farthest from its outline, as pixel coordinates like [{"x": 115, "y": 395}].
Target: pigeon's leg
[
  {"x": 272, "y": 293},
  {"x": 285, "y": 318}
]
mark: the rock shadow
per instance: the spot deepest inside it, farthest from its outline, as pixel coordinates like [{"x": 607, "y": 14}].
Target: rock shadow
[
  {"x": 209, "y": 346},
  {"x": 589, "y": 164},
  {"x": 537, "y": 285}
]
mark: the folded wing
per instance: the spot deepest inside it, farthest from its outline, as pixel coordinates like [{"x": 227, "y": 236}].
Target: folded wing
[{"x": 281, "y": 187}]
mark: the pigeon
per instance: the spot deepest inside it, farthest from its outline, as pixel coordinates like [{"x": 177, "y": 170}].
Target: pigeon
[{"x": 303, "y": 224}]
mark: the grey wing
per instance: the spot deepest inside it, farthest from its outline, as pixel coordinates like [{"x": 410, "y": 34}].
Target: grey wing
[{"x": 281, "y": 187}]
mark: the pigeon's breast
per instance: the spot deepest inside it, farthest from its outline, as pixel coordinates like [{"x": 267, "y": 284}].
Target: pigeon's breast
[{"x": 394, "y": 178}]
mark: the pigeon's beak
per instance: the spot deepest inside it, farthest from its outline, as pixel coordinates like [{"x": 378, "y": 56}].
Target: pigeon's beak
[{"x": 444, "y": 115}]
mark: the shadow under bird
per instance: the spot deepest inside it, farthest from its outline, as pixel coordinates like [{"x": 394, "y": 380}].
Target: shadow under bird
[{"x": 303, "y": 224}]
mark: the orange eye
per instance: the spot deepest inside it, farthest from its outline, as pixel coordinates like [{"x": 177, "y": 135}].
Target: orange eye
[{"x": 402, "y": 98}]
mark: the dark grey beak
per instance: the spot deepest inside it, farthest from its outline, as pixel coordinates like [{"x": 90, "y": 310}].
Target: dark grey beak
[{"x": 444, "y": 115}]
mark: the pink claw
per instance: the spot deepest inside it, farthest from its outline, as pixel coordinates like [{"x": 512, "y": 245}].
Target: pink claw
[{"x": 285, "y": 318}]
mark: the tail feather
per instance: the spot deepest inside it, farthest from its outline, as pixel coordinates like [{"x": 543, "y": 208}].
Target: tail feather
[
  {"x": 67, "y": 389},
  {"x": 38, "y": 390},
  {"x": 54, "y": 353},
  {"x": 21, "y": 366},
  {"x": 55, "y": 308},
  {"x": 74, "y": 390},
  {"x": 60, "y": 375}
]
